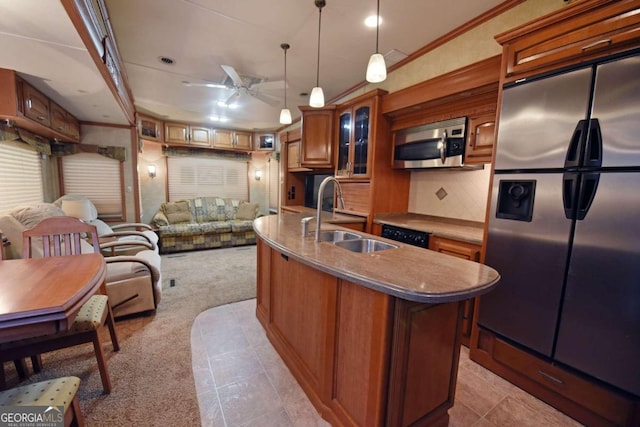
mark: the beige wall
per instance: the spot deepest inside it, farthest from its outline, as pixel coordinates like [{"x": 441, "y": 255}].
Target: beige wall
[{"x": 152, "y": 190}]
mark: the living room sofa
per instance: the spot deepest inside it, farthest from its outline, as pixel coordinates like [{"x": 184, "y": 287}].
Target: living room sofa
[{"x": 205, "y": 223}]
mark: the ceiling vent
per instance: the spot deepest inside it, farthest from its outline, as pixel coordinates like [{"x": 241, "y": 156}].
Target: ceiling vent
[{"x": 166, "y": 60}]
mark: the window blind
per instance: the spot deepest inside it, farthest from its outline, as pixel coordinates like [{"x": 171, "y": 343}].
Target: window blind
[
  {"x": 96, "y": 177},
  {"x": 191, "y": 177},
  {"x": 20, "y": 175}
]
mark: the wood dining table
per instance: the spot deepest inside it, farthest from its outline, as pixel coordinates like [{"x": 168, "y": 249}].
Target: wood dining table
[{"x": 40, "y": 296}]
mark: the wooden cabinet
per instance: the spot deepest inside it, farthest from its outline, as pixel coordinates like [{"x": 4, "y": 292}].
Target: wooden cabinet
[
  {"x": 150, "y": 128},
  {"x": 182, "y": 133},
  {"x": 467, "y": 251},
  {"x": 293, "y": 155},
  {"x": 364, "y": 358},
  {"x": 232, "y": 140},
  {"x": 316, "y": 147},
  {"x": 35, "y": 105},
  {"x": 580, "y": 32},
  {"x": 480, "y": 139},
  {"x": 30, "y": 109},
  {"x": 354, "y": 125}
]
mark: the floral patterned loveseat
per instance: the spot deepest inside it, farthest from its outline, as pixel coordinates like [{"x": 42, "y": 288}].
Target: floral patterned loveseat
[{"x": 205, "y": 223}]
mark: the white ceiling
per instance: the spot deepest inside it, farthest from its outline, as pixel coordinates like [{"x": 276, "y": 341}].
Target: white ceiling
[{"x": 38, "y": 40}]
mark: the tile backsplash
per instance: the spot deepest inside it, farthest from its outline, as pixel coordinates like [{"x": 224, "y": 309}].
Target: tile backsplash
[{"x": 460, "y": 194}]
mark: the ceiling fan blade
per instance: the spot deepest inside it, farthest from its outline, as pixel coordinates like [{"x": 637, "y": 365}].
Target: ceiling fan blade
[
  {"x": 266, "y": 99},
  {"x": 212, "y": 85},
  {"x": 231, "y": 72},
  {"x": 270, "y": 85},
  {"x": 232, "y": 98}
]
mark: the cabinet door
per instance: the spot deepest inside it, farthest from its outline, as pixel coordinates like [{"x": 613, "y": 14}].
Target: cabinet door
[
  {"x": 149, "y": 129},
  {"x": 317, "y": 138},
  {"x": 223, "y": 138},
  {"x": 344, "y": 142},
  {"x": 72, "y": 127},
  {"x": 176, "y": 132},
  {"x": 360, "y": 143},
  {"x": 481, "y": 138},
  {"x": 575, "y": 34},
  {"x": 58, "y": 118},
  {"x": 293, "y": 155},
  {"x": 244, "y": 141},
  {"x": 357, "y": 198},
  {"x": 36, "y": 105},
  {"x": 466, "y": 251},
  {"x": 199, "y": 136}
]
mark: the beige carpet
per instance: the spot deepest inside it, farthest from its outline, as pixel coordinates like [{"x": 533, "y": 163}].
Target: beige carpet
[{"x": 152, "y": 375}]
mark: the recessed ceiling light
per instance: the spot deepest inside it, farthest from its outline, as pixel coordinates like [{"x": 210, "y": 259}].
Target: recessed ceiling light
[{"x": 370, "y": 21}]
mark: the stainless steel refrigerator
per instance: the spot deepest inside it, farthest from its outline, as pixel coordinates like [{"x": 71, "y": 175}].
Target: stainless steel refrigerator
[{"x": 564, "y": 228}]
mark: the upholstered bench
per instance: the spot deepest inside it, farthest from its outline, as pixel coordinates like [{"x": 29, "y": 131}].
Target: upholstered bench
[{"x": 52, "y": 393}]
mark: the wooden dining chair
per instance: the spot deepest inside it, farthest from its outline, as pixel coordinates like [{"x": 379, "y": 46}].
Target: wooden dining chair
[{"x": 62, "y": 236}]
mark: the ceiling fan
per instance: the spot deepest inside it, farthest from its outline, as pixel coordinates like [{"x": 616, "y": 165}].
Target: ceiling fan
[{"x": 244, "y": 85}]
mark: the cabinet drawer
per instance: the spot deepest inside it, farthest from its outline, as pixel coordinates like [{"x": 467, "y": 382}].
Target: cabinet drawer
[
  {"x": 604, "y": 403},
  {"x": 587, "y": 32}
]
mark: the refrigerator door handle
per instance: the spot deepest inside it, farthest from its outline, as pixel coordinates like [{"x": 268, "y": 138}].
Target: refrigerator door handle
[
  {"x": 593, "y": 148},
  {"x": 572, "y": 158},
  {"x": 569, "y": 193},
  {"x": 588, "y": 190}
]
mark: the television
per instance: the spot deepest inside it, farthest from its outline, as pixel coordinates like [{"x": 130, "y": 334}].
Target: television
[{"x": 311, "y": 186}]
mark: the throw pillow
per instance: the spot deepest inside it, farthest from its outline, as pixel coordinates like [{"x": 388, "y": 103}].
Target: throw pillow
[
  {"x": 247, "y": 211},
  {"x": 177, "y": 212},
  {"x": 31, "y": 215}
]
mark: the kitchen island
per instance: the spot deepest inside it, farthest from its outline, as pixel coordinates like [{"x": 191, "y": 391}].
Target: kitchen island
[{"x": 373, "y": 338}]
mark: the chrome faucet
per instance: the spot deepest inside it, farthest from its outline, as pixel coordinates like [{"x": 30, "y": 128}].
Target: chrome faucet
[{"x": 320, "y": 196}]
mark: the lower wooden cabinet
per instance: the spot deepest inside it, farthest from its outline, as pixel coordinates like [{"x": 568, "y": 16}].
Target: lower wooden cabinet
[
  {"x": 462, "y": 250},
  {"x": 364, "y": 358},
  {"x": 590, "y": 403}
]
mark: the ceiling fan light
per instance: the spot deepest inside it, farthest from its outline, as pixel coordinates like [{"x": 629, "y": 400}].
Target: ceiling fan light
[
  {"x": 377, "y": 69},
  {"x": 285, "y": 116},
  {"x": 316, "y": 99}
]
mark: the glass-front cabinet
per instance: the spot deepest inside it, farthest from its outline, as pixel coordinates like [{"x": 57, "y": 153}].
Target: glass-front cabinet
[{"x": 353, "y": 141}]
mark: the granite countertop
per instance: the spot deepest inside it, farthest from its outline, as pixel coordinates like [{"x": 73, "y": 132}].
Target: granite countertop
[
  {"x": 407, "y": 272},
  {"x": 456, "y": 229}
]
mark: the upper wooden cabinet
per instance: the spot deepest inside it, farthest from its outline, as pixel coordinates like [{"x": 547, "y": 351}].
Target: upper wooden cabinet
[
  {"x": 30, "y": 109},
  {"x": 480, "y": 139},
  {"x": 232, "y": 139},
  {"x": 581, "y": 32},
  {"x": 354, "y": 125},
  {"x": 182, "y": 133},
  {"x": 150, "y": 128},
  {"x": 317, "y": 136}
]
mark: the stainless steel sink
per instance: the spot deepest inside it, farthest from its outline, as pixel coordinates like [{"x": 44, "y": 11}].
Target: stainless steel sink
[
  {"x": 364, "y": 245},
  {"x": 337, "y": 235}
]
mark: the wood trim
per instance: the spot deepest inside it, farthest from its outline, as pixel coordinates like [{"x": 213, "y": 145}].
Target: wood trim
[
  {"x": 110, "y": 125},
  {"x": 485, "y": 73},
  {"x": 137, "y": 200},
  {"x": 125, "y": 102}
]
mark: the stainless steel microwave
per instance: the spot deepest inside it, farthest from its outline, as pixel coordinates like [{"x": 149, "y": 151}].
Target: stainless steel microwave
[{"x": 435, "y": 145}]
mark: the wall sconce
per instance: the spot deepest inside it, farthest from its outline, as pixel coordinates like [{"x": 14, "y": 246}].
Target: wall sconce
[
  {"x": 152, "y": 170},
  {"x": 258, "y": 175}
]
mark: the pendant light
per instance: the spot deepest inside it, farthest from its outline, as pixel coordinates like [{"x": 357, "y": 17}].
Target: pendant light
[
  {"x": 377, "y": 69},
  {"x": 317, "y": 96},
  {"x": 285, "y": 114}
]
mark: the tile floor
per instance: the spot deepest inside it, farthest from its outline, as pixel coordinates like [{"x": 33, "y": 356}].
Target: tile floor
[{"x": 241, "y": 381}]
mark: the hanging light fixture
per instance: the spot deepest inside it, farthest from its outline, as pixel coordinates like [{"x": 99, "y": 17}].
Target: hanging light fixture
[
  {"x": 317, "y": 96},
  {"x": 285, "y": 114},
  {"x": 377, "y": 69}
]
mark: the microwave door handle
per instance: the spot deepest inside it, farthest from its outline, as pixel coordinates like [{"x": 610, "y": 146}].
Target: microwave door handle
[{"x": 443, "y": 148}]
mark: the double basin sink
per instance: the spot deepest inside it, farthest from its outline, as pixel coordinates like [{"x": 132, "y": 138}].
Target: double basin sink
[{"x": 354, "y": 242}]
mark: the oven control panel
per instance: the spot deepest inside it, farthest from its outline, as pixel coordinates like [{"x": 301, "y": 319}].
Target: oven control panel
[{"x": 406, "y": 235}]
